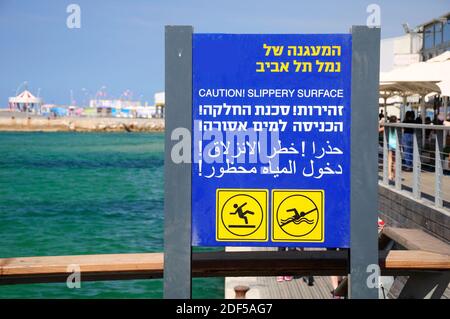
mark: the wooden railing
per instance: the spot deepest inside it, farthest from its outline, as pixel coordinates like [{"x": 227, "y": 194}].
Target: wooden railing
[{"x": 23, "y": 270}]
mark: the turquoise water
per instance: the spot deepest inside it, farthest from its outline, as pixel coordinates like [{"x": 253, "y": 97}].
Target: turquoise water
[{"x": 84, "y": 193}]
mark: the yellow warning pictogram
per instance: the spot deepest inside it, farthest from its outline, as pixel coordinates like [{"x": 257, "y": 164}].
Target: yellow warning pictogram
[
  {"x": 298, "y": 215},
  {"x": 241, "y": 215}
]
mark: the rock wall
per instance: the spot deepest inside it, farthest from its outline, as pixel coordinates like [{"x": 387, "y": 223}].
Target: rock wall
[{"x": 80, "y": 124}]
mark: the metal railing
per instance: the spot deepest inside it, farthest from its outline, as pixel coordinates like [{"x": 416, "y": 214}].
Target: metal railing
[{"x": 423, "y": 152}]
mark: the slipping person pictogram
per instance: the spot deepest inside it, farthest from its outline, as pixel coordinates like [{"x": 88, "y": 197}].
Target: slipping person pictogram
[{"x": 241, "y": 213}]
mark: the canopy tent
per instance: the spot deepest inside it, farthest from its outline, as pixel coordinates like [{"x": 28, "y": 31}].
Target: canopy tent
[
  {"x": 25, "y": 102},
  {"x": 440, "y": 58},
  {"x": 422, "y": 78},
  {"x": 58, "y": 111},
  {"x": 434, "y": 71},
  {"x": 445, "y": 87},
  {"x": 407, "y": 88}
]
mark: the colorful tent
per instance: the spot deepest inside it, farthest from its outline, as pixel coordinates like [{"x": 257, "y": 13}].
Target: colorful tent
[{"x": 25, "y": 102}]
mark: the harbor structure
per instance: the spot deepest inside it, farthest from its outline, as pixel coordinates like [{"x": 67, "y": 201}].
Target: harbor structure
[{"x": 128, "y": 108}]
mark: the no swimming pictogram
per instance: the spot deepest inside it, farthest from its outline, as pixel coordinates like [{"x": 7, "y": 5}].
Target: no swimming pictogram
[{"x": 298, "y": 215}]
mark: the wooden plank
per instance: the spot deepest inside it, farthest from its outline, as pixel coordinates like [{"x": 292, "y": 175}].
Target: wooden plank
[
  {"x": 270, "y": 263},
  {"x": 93, "y": 268},
  {"x": 112, "y": 263},
  {"x": 416, "y": 239},
  {"x": 415, "y": 259},
  {"x": 219, "y": 264}
]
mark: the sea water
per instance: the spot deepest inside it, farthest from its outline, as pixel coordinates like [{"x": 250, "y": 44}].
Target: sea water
[{"x": 85, "y": 193}]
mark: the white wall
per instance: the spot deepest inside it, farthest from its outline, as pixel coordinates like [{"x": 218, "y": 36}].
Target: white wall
[
  {"x": 400, "y": 51},
  {"x": 386, "y": 54}
]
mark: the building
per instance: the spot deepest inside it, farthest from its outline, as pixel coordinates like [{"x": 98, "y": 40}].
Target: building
[
  {"x": 117, "y": 103},
  {"x": 436, "y": 37},
  {"x": 400, "y": 51},
  {"x": 419, "y": 44},
  {"x": 126, "y": 108},
  {"x": 160, "y": 103}
]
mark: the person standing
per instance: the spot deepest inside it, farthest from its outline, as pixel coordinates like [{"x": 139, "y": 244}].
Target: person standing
[
  {"x": 289, "y": 277},
  {"x": 392, "y": 145},
  {"x": 407, "y": 141}
]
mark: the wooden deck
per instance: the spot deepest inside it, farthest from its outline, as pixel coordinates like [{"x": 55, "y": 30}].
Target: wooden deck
[
  {"x": 295, "y": 289},
  {"x": 428, "y": 184},
  {"x": 421, "y": 247},
  {"x": 270, "y": 288}
]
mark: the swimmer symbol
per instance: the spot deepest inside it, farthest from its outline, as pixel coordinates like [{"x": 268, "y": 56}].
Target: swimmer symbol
[{"x": 298, "y": 217}]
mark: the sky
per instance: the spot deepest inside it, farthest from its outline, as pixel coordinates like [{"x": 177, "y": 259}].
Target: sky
[{"x": 120, "y": 44}]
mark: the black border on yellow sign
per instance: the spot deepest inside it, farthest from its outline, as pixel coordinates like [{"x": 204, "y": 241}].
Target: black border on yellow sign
[
  {"x": 300, "y": 240},
  {"x": 265, "y": 209}
]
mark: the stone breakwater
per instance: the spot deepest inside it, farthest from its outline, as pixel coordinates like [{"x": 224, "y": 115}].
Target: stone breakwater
[{"x": 79, "y": 124}]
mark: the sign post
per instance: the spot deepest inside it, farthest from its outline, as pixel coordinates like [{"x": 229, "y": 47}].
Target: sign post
[
  {"x": 364, "y": 136},
  {"x": 283, "y": 153},
  {"x": 177, "y": 165}
]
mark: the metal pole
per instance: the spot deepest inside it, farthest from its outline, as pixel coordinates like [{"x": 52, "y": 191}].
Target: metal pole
[
  {"x": 445, "y": 102},
  {"x": 417, "y": 166},
  {"x": 423, "y": 116},
  {"x": 386, "y": 167},
  {"x": 403, "y": 108},
  {"x": 177, "y": 188},
  {"x": 439, "y": 171},
  {"x": 364, "y": 176},
  {"x": 398, "y": 159}
]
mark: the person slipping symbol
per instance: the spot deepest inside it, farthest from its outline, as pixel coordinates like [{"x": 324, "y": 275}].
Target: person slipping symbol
[
  {"x": 242, "y": 213},
  {"x": 298, "y": 217}
]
